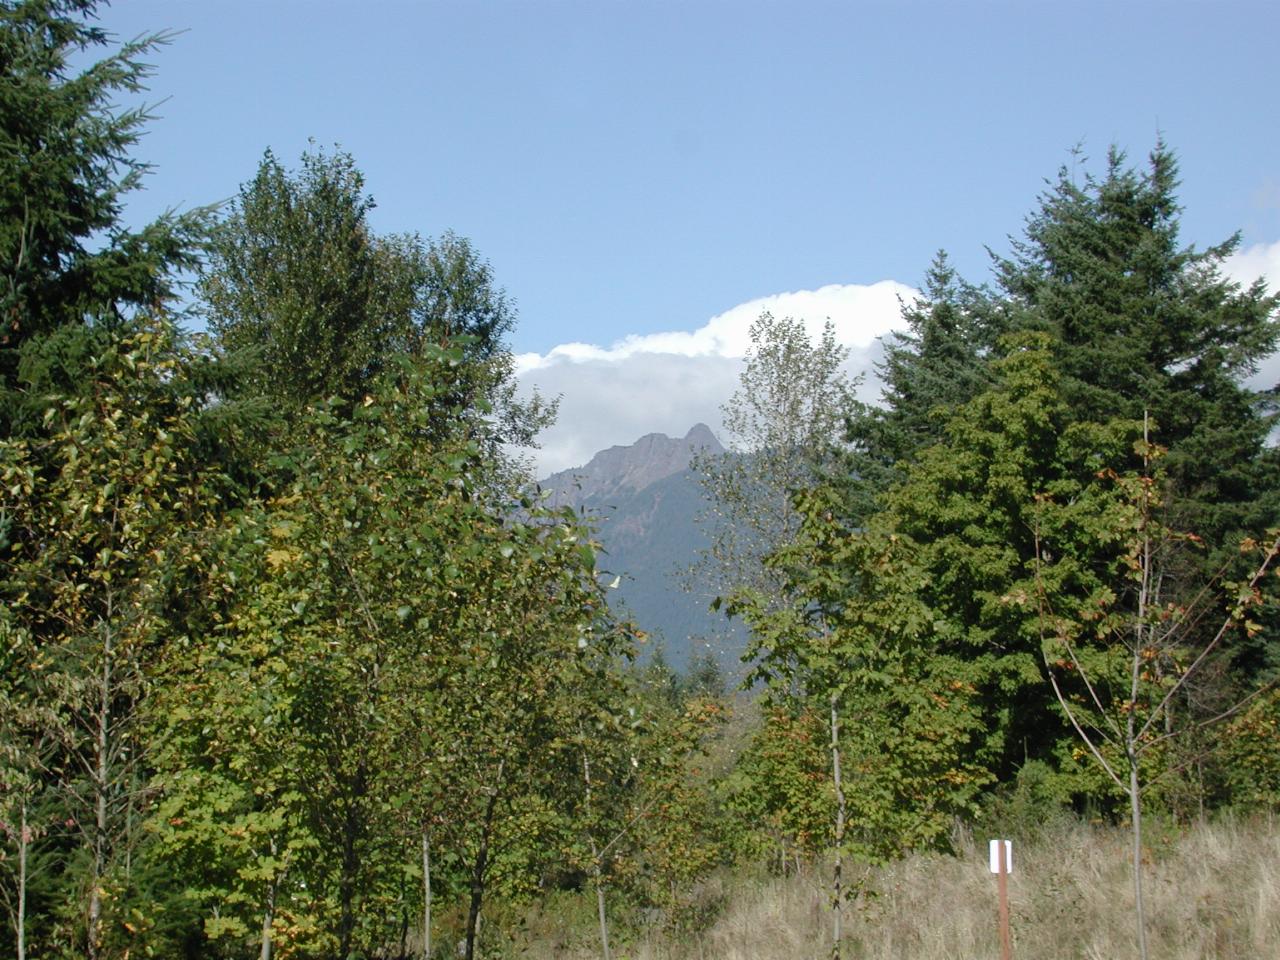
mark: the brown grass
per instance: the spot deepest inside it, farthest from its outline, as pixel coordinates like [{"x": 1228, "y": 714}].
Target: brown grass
[{"x": 1213, "y": 892}]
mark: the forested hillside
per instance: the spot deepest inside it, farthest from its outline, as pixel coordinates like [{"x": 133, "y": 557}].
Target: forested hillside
[{"x": 295, "y": 660}]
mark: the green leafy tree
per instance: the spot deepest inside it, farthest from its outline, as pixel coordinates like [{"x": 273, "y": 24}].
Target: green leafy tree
[
  {"x": 231, "y": 815},
  {"x": 296, "y": 275},
  {"x": 108, "y": 510},
  {"x": 404, "y": 647},
  {"x": 300, "y": 284},
  {"x": 535, "y": 635},
  {"x": 29, "y": 741},
  {"x": 784, "y": 425},
  {"x": 641, "y": 818},
  {"x": 855, "y": 637},
  {"x": 340, "y": 573},
  {"x": 704, "y": 677},
  {"x": 969, "y": 504},
  {"x": 778, "y": 791},
  {"x": 1123, "y": 662}
]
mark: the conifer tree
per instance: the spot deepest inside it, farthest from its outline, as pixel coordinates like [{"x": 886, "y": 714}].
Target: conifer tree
[
  {"x": 1142, "y": 324},
  {"x": 936, "y": 364},
  {"x": 65, "y": 171}
]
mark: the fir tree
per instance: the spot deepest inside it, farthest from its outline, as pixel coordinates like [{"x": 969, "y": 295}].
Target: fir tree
[
  {"x": 1145, "y": 325},
  {"x": 66, "y": 258},
  {"x": 934, "y": 366}
]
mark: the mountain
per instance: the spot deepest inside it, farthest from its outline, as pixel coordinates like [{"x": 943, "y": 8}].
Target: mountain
[
  {"x": 624, "y": 471},
  {"x": 646, "y": 502}
]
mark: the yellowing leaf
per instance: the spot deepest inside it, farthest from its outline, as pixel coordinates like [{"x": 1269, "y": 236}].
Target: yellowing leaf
[{"x": 279, "y": 558}]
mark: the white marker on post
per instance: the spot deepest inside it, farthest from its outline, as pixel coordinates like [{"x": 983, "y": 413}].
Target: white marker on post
[{"x": 1008, "y": 856}]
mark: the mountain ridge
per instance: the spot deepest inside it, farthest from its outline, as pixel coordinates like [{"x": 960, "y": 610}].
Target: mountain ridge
[
  {"x": 647, "y": 504},
  {"x": 630, "y": 467}
]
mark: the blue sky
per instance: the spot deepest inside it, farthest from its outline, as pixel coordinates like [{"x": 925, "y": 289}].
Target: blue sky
[{"x": 636, "y": 168}]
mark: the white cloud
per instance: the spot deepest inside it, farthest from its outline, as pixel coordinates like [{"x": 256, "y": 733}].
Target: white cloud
[
  {"x": 1262, "y": 260},
  {"x": 667, "y": 382},
  {"x": 860, "y": 314}
]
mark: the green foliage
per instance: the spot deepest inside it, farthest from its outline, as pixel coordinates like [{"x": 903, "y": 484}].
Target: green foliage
[
  {"x": 1036, "y": 801},
  {"x": 400, "y": 656},
  {"x": 1141, "y": 324},
  {"x": 296, "y": 275},
  {"x": 251, "y": 669},
  {"x": 703, "y": 677},
  {"x": 969, "y": 505},
  {"x": 109, "y": 510},
  {"x": 784, "y": 425},
  {"x": 65, "y": 170},
  {"x": 779, "y": 792},
  {"x": 1251, "y": 744},
  {"x": 855, "y": 634},
  {"x": 1137, "y": 665},
  {"x": 1124, "y": 663},
  {"x": 938, "y": 363},
  {"x": 322, "y": 306}
]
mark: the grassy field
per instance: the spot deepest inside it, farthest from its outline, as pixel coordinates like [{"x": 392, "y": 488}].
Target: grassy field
[{"x": 1213, "y": 892}]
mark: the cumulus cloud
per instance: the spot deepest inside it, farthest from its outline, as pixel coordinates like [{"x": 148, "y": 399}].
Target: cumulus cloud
[
  {"x": 667, "y": 382},
  {"x": 1260, "y": 261}
]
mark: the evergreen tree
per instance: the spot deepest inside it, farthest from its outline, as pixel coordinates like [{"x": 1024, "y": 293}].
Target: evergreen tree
[
  {"x": 65, "y": 170},
  {"x": 968, "y": 504},
  {"x": 1144, "y": 325},
  {"x": 936, "y": 364}
]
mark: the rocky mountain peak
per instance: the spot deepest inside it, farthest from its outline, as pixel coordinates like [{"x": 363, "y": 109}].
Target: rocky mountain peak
[{"x": 625, "y": 470}]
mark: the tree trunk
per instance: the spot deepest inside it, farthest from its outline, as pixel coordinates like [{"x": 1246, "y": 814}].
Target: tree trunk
[
  {"x": 604, "y": 922},
  {"x": 596, "y": 865},
  {"x": 24, "y": 839},
  {"x": 426, "y": 893},
  {"x": 478, "y": 871},
  {"x": 1140, "y": 642},
  {"x": 268, "y": 916},
  {"x": 101, "y": 774},
  {"x": 837, "y": 880},
  {"x": 347, "y": 881},
  {"x": 1135, "y": 810}
]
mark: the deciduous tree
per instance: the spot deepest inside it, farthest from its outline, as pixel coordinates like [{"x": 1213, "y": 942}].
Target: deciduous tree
[
  {"x": 783, "y": 427},
  {"x": 108, "y": 511},
  {"x": 1123, "y": 661},
  {"x": 854, "y": 640}
]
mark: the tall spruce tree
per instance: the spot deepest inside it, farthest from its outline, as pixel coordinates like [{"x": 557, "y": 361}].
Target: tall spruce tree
[
  {"x": 1125, "y": 322},
  {"x": 66, "y": 258},
  {"x": 929, "y": 369},
  {"x": 1144, "y": 325}
]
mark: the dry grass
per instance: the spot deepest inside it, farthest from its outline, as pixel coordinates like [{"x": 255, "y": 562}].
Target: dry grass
[{"x": 1213, "y": 891}]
